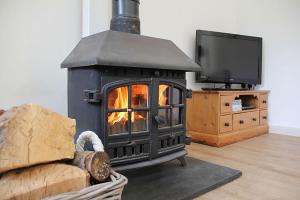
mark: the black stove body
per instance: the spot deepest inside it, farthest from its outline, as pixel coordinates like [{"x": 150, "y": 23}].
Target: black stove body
[{"x": 131, "y": 91}]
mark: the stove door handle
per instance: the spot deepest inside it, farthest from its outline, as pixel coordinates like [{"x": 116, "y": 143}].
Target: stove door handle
[
  {"x": 172, "y": 136},
  {"x": 160, "y": 119},
  {"x": 132, "y": 143}
]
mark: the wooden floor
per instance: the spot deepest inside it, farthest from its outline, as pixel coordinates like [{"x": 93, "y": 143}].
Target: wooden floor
[{"x": 270, "y": 166}]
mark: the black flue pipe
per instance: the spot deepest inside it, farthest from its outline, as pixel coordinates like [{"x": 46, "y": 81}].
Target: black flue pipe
[{"x": 125, "y": 16}]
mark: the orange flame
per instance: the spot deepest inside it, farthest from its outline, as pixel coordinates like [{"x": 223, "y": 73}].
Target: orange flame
[
  {"x": 118, "y": 99},
  {"x": 163, "y": 96}
]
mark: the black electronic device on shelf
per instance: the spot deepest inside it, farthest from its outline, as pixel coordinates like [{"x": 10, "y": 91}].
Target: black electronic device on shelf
[{"x": 228, "y": 58}]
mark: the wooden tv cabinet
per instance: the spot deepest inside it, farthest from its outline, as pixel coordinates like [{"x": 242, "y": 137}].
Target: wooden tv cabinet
[{"x": 211, "y": 120}]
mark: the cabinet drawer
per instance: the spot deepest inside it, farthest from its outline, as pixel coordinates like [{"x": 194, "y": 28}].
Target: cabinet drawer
[
  {"x": 254, "y": 118},
  {"x": 245, "y": 120},
  {"x": 240, "y": 121},
  {"x": 263, "y": 101},
  {"x": 225, "y": 123},
  {"x": 263, "y": 115},
  {"x": 226, "y": 103}
]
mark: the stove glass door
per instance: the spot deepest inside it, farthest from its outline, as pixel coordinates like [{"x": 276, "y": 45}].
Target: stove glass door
[
  {"x": 171, "y": 117},
  {"x": 128, "y": 110},
  {"x": 170, "y": 106}
]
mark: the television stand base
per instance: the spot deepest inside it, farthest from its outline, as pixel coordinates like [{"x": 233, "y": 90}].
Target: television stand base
[
  {"x": 224, "y": 89},
  {"x": 214, "y": 118}
]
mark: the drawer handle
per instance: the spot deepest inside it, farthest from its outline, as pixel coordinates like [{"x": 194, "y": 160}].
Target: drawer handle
[
  {"x": 226, "y": 124},
  {"x": 227, "y": 104},
  {"x": 265, "y": 117},
  {"x": 241, "y": 121},
  {"x": 254, "y": 119},
  {"x": 264, "y": 101}
]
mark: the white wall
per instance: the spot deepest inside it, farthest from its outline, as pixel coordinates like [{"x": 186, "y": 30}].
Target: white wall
[
  {"x": 176, "y": 20},
  {"x": 35, "y": 37},
  {"x": 278, "y": 22}
]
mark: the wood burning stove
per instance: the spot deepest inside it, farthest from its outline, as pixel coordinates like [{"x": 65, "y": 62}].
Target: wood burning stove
[{"x": 130, "y": 90}]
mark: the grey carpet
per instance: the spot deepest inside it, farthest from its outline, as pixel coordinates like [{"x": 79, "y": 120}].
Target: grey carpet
[{"x": 171, "y": 181}]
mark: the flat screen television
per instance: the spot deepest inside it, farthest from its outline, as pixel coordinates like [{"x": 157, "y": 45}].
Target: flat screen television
[{"x": 228, "y": 58}]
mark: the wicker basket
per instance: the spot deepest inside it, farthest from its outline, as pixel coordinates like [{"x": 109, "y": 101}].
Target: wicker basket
[{"x": 111, "y": 190}]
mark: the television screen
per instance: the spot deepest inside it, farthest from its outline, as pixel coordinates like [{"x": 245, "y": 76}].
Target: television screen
[{"x": 228, "y": 58}]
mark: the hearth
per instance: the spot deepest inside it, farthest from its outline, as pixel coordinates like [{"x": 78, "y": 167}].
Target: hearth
[{"x": 131, "y": 91}]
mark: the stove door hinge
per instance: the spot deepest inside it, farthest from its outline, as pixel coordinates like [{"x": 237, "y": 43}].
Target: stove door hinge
[
  {"x": 92, "y": 96},
  {"x": 189, "y": 93}
]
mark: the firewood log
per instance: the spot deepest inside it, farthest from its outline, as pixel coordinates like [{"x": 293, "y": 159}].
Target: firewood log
[
  {"x": 30, "y": 134},
  {"x": 42, "y": 181},
  {"x": 96, "y": 163}
]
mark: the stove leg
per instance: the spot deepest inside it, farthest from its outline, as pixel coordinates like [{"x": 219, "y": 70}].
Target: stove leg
[{"x": 182, "y": 161}]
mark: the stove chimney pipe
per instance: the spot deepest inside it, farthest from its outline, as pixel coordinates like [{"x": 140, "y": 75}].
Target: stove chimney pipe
[{"x": 125, "y": 16}]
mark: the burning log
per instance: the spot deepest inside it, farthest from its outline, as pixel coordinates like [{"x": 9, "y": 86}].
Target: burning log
[
  {"x": 118, "y": 127},
  {"x": 139, "y": 125},
  {"x": 96, "y": 163},
  {"x": 30, "y": 134}
]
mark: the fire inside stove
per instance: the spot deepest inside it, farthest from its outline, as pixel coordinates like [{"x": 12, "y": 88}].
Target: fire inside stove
[
  {"x": 128, "y": 103},
  {"x": 131, "y": 104}
]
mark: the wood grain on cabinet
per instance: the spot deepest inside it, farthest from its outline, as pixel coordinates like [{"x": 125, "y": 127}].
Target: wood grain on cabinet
[
  {"x": 263, "y": 117},
  {"x": 263, "y": 101},
  {"x": 210, "y": 118},
  {"x": 225, "y": 104},
  {"x": 225, "y": 123},
  {"x": 204, "y": 104}
]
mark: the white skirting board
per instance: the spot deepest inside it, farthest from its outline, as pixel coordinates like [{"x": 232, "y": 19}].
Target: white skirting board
[{"x": 285, "y": 130}]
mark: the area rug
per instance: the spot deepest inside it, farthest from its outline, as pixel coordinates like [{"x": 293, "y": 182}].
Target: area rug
[{"x": 171, "y": 181}]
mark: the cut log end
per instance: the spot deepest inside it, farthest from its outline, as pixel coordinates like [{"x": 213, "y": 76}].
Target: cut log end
[
  {"x": 99, "y": 165},
  {"x": 96, "y": 163}
]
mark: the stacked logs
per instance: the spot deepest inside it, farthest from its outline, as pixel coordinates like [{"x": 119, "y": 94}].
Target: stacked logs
[{"x": 38, "y": 157}]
